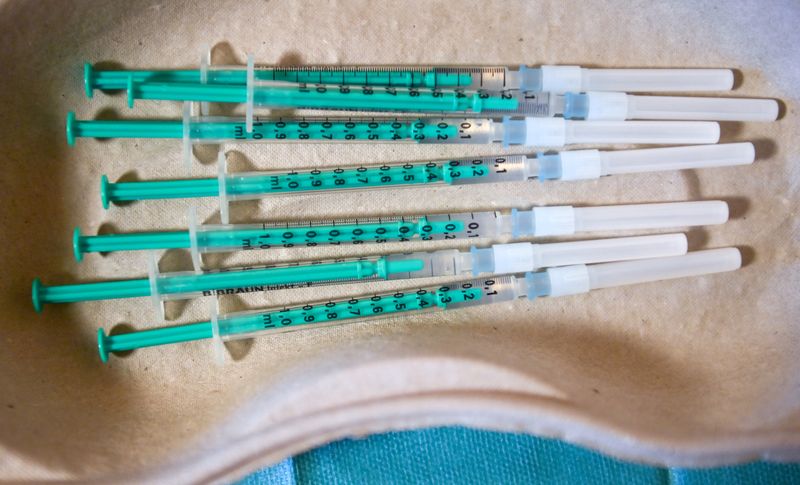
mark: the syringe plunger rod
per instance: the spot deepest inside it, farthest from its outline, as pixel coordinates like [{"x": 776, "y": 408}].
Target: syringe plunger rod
[{"x": 565, "y": 280}]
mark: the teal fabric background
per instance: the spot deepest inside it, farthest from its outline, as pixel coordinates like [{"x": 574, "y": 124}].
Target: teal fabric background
[{"x": 467, "y": 456}]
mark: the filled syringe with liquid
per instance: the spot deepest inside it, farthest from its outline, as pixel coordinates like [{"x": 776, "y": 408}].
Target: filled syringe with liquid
[
  {"x": 536, "y": 222},
  {"x": 560, "y": 281},
  {"x": 568, "y": 165},
  {"x": 527, "y": 131}
]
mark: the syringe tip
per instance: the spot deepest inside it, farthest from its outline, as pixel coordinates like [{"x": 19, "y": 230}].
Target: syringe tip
[
  {"x": 71, "y": 122},
  {"x": 101, "y": 344},
  {"x": 36, "y": 290},
  {"x": 88, "y": 79},
  {"x": 76, "y": 245}
]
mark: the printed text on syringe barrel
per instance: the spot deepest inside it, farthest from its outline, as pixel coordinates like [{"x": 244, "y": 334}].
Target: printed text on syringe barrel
[
  {"x": 477, "y": 170},
  {"x": 468, "y": 293},
  {"x": 380, "y": 230},
  {"x": 436, "y": 131}
]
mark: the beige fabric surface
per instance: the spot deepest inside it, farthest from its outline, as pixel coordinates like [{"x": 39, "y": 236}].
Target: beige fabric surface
[{"x": 690, "y": 372}]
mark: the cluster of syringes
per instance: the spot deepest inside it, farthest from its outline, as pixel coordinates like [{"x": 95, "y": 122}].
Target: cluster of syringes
[{"x": 547, "y": 107}]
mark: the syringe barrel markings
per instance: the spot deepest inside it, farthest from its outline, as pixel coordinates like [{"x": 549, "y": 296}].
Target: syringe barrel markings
[
  {"x": 256, "y": 185},
  {"x": 320, "y": 96},
  {"x": 457, "y": 295},
  {"x": 213, "y": 130},
  {"x": 282, "y": 319}
]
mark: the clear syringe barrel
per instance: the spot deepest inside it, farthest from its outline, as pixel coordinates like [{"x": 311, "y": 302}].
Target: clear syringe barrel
[
  {"x": 254, "y": 323},
  {"x": 483, "y": 291},
  {"x": 511, "y": 168},
  {"x": 434, "y": 227},
  {"x": 208, "y": 129}
]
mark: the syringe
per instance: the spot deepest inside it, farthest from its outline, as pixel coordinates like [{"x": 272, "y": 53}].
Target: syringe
[
  {"x": 561, "y": 281},
  {"x": 536, "y": 222},
  {"x": 556, "y": 79},
  {"x": 495, "y": 259},
  {"x": 529, "y": 131},
  {"x": 569, "y": 165},
  {"x": 573, "y": 106}
]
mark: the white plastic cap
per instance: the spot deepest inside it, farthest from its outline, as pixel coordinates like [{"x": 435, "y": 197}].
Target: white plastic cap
[
  {"x": 656, "y": 80},
  {"x": 581, "y": 165},
  {"x": 557, "y": 132},
  {"x": 572, "y": 280},
  {"x": 553, "y": 220},
  {"x": 684, "y": 108},
  {"x": 545, "y": 132},
  {"x": 569, "y": 280},
  {"x": 561, "y": 79},
  {"x": 677, "y": 158},
  {"x": 602, "y": 250},
  {"x": 692, "y": 264},
  {"x": 523, "y": 257},
  {"x": 641, "y": 132},
  {"x": 649, "y": 216},
  {"x": 513, "y": 258},
  {"x": 608, "y": 106}
]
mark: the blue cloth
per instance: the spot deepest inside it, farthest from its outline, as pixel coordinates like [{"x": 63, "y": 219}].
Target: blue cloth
[{"x": 467, "y": 456}]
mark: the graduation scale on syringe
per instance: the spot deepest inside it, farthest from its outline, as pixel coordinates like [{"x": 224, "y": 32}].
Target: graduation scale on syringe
[{"x": 568, "y": 165}]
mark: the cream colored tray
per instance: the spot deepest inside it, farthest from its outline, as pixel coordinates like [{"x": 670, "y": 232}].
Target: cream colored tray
[{"x": 652, "y": 373}]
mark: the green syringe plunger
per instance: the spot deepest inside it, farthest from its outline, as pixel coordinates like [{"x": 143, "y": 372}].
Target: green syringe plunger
[{"x": 187, "y": 285}]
